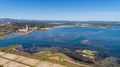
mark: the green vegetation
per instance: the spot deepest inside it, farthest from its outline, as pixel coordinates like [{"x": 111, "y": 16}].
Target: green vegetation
[
  {"x": 6, "y": 29},
  {"x": 14, "y": 26},
  {"x": 48, "y": 54},
  {"x": 9, "y": 48},
  {"x": 12, "y": 49},
  {"x": 33, "y": 24}
]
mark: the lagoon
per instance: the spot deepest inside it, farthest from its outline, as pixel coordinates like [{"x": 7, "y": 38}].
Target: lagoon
[{"x": 93, "y": 38}]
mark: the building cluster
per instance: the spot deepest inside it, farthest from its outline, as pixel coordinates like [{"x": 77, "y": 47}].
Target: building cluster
[
  {"x": 5, "y": 27},
  {"x": 28, "y": 28},
  {"x": 5, "y": 23}
]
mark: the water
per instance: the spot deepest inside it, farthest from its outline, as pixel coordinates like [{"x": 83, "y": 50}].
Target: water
[{"x": 103, "y": 38}]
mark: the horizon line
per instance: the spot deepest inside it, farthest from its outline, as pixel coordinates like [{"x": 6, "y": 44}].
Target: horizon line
[{"x": 57, "y": 20}]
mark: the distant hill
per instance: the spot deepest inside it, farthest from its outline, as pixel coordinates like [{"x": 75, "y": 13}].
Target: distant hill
[
  {"x": 56, "y": 21},
  {"x": 28, "y": 20}
]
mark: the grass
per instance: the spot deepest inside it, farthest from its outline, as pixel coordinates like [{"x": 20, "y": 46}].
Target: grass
[
  {"x": 9, "y": 48},
  {"x": 43, "y": 56},
  {"x": 47, "y": 54}
]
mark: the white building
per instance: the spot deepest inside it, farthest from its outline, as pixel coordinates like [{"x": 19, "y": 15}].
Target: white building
[{"x": 28, "y": 29}]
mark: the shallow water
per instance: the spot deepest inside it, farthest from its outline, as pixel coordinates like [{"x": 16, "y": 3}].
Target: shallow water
[{"x": 105, "y": 37}]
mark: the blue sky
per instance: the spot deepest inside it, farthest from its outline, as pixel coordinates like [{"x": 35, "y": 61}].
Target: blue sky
[{"x": 80, "y": 10}]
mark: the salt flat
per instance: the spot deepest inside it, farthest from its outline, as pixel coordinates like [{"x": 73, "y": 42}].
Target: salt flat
[
  {"x": 48, "y": 64},
  {"x": 44, "y": 64},
  {"x": 10, "y": 56},
  {"x": 12, "y": 60},
  {"x": 1, "y": 53},
  {"x": 28, "y": 61},
  {"x": 3, "y": 61},
  {"x": 14, "y": 64}
]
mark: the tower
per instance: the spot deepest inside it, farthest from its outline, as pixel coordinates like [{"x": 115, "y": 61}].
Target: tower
[{"x": 27, "y": 28}]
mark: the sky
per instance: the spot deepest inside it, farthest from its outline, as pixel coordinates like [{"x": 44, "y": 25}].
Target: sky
[{"x": 71, "y": 10}]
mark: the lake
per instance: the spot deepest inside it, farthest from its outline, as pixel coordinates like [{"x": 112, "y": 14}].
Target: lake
[{"x": 98, "y": 39}]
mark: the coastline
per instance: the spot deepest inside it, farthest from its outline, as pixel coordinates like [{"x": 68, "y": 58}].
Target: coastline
[{"x": 11, "y": 50}]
